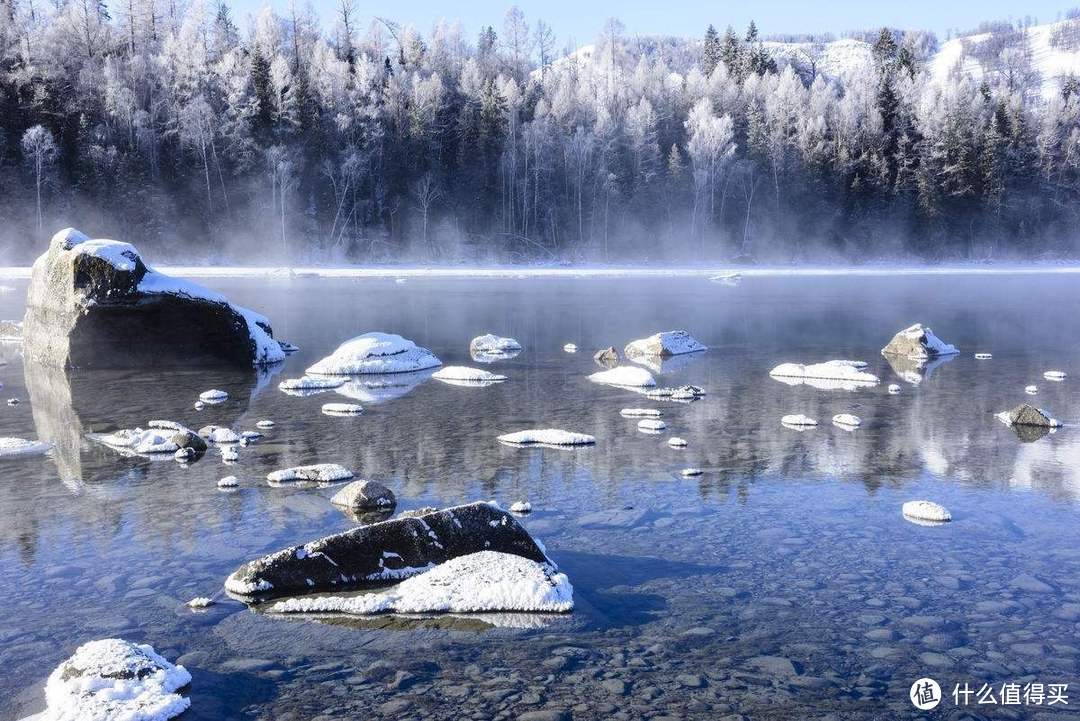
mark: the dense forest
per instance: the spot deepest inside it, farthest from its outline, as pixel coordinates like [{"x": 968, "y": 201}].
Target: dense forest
[{"x": 201, "y": 137}]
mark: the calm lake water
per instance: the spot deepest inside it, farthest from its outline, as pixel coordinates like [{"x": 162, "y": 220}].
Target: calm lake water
[{"x": 782, "y": 583}]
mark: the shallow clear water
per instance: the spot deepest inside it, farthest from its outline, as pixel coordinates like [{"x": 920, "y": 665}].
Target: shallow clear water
[{"x": 790, "y": 546}]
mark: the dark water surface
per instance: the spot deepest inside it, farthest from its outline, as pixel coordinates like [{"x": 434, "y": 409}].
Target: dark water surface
[{"x": 782, "y": 583}]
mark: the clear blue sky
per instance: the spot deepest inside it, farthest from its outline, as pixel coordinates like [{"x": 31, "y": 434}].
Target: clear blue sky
[{"x": 580, "y": 20}]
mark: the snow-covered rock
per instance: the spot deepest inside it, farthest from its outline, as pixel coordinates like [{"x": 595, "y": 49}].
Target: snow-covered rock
[
  {"x": 140, "y": 441},
  {"x": 894, "y": 388},
  {"x": 627, "y": 376},
  {"x": 1028, "y": 415},
  {"x": 478, "y": 582},
  {"x": 847, "y": 419},
  {"x": 319, "y": 473},
  {"x": 830, "y": 375},
  {"x": 798, "y": 419},
  {"x": 375, "y": 353},
  {"x": 689, "y": 472},
  {"x": 200, "y": 602},
  {"x": 683, "y": 394},
  {"x": 22, "y": 447},
  {"x": 918, "y": 342},
  {"x": 640, "y": 413},
  {"x": 1031, "y": 390},
  {"x": 309, "y": 385},
  {"x": 521, "y": 507},
  {"x": 570, "y": 348},
  {"x": 342, "y": 409},
  {"x": 219, "y": 434},
  {"x": 1054, "y": 375},
  {"x": 265, "y": 424},
  {"x": 213, "y": 396},
  {"x": 651, "y": 425},
  {"x": 465, "y": 376},
  {"x": 983, "y": 356},
  {"x": 115, "y": 680},
  {"x": 229, "y": 454},
  {"x": 389, "y": 550},
  {"x": 493, "y": 345},
  {"x": 676, "y": 442},
  {"x": 926, "y": 511},
  {"x": 228, "y": 482},
  {"x": 665, "y": 344},
  {"x": 607, "y": 357},
  {"x": 364, "y": 496},
  {"x": 94, "y": 303},
  {"x": 546, "y": 437}
]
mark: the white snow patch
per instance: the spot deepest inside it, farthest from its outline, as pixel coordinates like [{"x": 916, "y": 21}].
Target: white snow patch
[
  {"x": 491, "y": 344},
  {"x": 640, "y": 413},
  {"x": 320, "y": 472},
  {"x": 983, "y": 356},
  {"x": 521, "y": 507},
  {"x": 847, "y": 419},
  {"x": 119, "y": 255},
  {"x": 627, "y": 376},
  {"x": 651, "y": 425},
  {"x": 115, "y": 680},
  {"x": 570, "y": 348},
  {"x": 376, "y": 353},
  {"x": 342, "y": 409},
  {"x": 228, "y": 482},
  {"x": 213, "y": 396},
  {"x": 477, "y": 582},
  {"x": 219, "y": 434},
  {"x": 137, "y": 440},
  {"x": 1054, "y": 375},
  {"x": 894, "y": 388},
  {"x": 463, "y": 375},
  {"x": 1031, "y": 390},
  {"x": 798, "y": 419},
  {"x": 547, "y": 437},
  {"x": 926, "y": 511},
  {"x": 676, "y": 442},
  {"x": 311, "y": 383},
  {"x": 200, "y": 602},
  {"x": 264, "y": 424},
  {"x": 688, "y": 472},
  {"x": 22, "y": 447},
  {"x": 830, "y": 375}
]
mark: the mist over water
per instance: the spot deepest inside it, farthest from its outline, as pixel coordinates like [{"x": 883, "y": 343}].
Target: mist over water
[{"x": 781, "y": 582}]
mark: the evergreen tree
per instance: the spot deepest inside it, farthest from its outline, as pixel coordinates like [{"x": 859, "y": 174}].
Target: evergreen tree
[{"x": 712, "y": 52}]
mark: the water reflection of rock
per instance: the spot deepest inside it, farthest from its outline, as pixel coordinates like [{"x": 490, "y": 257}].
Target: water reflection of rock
[
  {"x": 914, "y": 371},
  {"x": 671, "y": 364},
  {"x": 383, "y": 387}
]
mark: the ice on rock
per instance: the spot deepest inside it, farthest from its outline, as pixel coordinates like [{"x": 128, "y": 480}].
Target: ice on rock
[
  {"x": 320, "y": 472},
  {"x": 115, "y": 680},
  {"x": 919, "y": 343},
  {"x": 1054, "y": 375},
  {"x": 521, "y": 507},
  {"x": 651, "y": 425},
  {"x": 486, "y": 581},
  {"x": 847, "y": 419},
  {"x": 465, "y": 376},
  {"x": 308, "y": 385},
  {"x": 626, "y": 376},
  {"x": 830, "y": 375},
  {"x": 547, "y": 437},
  {"x": 689, "y": 472},
  {"x": 640, "y": 413},
  {"x": 228, "y": 482},
  {"x": 799, "y": 420},
  {"x": 570, "y": 348},
  {"x": 663, "y": 345},
  {"x": 200, "y": 602},
  {"x": 983, "y": 356},
  {"x": 676, "y": 442},
  {"x": 375, "y": 353},
  {"x": 342, "y": 409},
  {"x": 22, "y": 447},
  {"x": 926, "y": 511},
  {"x": 490, "y": 344},
  {"x": 1028, "y": 415},
  {"x": 213, "y": 396}
]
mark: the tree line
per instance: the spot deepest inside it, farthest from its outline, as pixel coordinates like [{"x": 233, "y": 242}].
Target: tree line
[{"x": 169, "y": 125}]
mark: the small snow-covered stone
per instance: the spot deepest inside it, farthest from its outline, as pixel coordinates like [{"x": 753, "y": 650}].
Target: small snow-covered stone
[
  {"x": 320, "y": 472},
  {"x": 250, "y": 436},
  {"x": 894, "y": 388},
  {"x": 264, "y": 424},
  {"x": 607, "y": 356},
  {"x": 521, "y": 507},
  {"x": 487, "y": 581},
  {"x": 13, "y": 401},
  {"x": 676, "y": 442},
  {"x": 311, "y": 383},
  {"x": 183, "y": 455},
  {"x": 983, "y": 356},
  {"x": 1054, "y": 375},
  {"x": 213, "y": 396},
  {"x": 847, "y": 419},
  {"x": 139, "y": 441},
  {"x": 918, "y": 342},
  {"x": 219, "y": 434},
  {"x": 841, "y": 374},
  {"x": 688, "y": 472},
  {"x": 375, "y": 353},
  {"x": 228, "y": 482},
  {"x": 114, "y": 680},
  {"x": 570, "y": 348},
  {"x": 199, "y": 405},
  {"x": 798, "y": 419},
  {"x": 1028, "y": 415},
  {"x": 664, "y": 345},
  {"x": 463, "y": 375},
  {"x": 491, "y": 344},
  {"x": 200, "y": 602},
  {"x": 1031, "y": 390},
  {"x": 926, "y": 511},
  {"x": 229, "y": 454},
  {"x": 342, "y": 409},
  {"x": 22, "y": 447},
  {"x": 651, "y": 425},
  {"x": 627, "y": 376},
  {"x": 640, "y": 413},
  {"x": 547, "y": 437},
  {"x": 681, "y": 393},
  {"x": 364, "y": 496}
]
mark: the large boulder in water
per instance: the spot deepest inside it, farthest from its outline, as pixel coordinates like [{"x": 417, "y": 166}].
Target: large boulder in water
[
  {"x": 663, "y": 345},
  {"x": 95, "y": 303},
  {"x": 918, "y": 342},
  {"x": 383, "y": 552}
]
